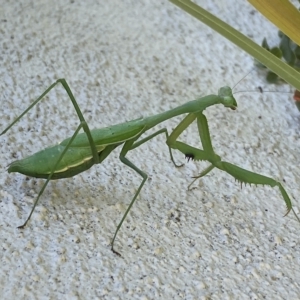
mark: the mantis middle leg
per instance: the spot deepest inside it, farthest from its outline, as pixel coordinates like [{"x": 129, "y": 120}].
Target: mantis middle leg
[{"x": 128, "y": 146}]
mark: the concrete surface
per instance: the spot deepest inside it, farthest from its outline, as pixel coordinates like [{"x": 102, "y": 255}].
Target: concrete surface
[{"x": 124, "y": 60}]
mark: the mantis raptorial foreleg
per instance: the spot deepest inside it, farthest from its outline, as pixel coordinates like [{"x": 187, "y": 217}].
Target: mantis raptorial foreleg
[
  {"x": 245, "y": 176},
  {"x": 240, "y": 174},
  {"x": 203, "y": 173}
]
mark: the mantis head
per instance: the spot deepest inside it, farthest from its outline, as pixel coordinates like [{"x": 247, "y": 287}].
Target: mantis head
[{"x": 227, "y": 99}]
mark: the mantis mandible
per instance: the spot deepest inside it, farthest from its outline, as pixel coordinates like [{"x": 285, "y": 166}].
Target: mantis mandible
[{"x": 80, "y": 152}]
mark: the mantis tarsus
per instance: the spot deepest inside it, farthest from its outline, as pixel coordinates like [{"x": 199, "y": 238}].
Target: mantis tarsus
[{"x": 78, "y": 153}]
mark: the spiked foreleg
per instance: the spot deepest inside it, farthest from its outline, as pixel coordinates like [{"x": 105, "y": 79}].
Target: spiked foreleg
[
  {"x": 185, "y": 123},
  {"x": 202, "y": 174},
  {"x": 191, "y": 152},
  {"x": 204, "y": 133},
  {"x": 245, "y": 176},
  {"x": 194, "y": 154}
]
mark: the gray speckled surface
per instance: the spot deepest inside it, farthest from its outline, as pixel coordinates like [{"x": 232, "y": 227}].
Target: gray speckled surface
[{"x": 123, "y": 60}]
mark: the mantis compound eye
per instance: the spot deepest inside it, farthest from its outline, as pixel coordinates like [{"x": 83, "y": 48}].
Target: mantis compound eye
[{"x": 227, "y": 99}]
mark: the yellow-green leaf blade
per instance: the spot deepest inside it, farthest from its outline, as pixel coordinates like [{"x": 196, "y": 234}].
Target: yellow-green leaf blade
[{"x": 281, "y": 13}]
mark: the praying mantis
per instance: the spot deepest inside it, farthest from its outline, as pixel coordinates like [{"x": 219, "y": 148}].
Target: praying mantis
[{"x": 82, "y": 150}]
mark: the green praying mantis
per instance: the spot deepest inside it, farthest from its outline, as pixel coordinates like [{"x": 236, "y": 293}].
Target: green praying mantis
[{"x": 80, "y": 152}]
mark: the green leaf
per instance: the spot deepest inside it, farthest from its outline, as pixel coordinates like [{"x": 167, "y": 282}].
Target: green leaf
[
  {"x": 287, "y": 52},
  {"x": 273, "y": 63},
  {"x": 276, "y": 51},
  {"x": 265, "y": 44},
  {"x": 272, "y": 77},
  {"x": 297, "y": 51},
  {"x": 283, "y": 14}
]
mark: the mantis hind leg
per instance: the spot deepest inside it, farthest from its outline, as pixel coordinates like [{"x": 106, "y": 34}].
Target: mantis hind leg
[
  {"x": 245, "y": 176},
  {"x": 83, "y": 123},
  {"x": 51, "y": 174}
]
